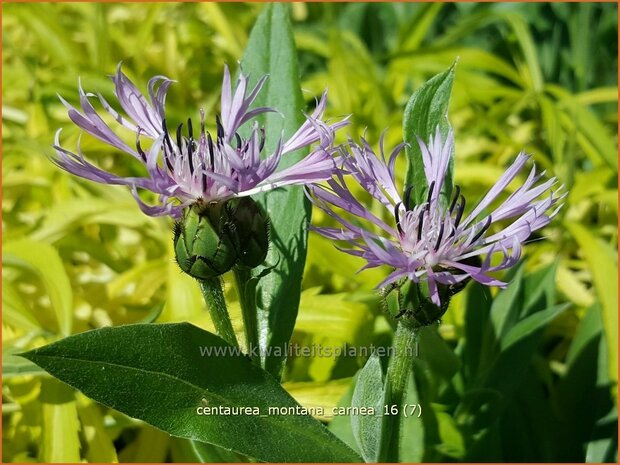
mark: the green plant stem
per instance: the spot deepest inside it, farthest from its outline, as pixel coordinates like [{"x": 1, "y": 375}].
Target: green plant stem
[
  {"x": 398, "y": 371},
  {"x": 247, "y": 299},
  {"x": 216, "y": 303}
]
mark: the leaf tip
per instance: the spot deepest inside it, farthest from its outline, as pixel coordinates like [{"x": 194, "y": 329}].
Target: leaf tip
[{"x": 27, "y": 355}]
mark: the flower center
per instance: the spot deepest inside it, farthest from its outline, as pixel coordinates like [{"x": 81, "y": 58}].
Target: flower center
[
  {"x": 431, "y": 233},
  {"x": 428, "y": 232},
  {"x": 432, "y": 259}
]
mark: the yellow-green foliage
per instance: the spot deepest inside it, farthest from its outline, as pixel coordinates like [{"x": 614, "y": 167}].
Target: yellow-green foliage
[{"x": 77, "y": 255}]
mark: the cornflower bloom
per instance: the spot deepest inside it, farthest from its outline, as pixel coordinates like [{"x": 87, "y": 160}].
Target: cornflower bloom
[
  {"x": 432, "y": 242},
  {"x": 184, "y": 170}
]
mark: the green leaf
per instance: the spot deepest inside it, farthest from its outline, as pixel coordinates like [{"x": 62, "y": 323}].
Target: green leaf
[
  {"x": 228, "y": 29},
  {"x": 100, "y": 448},
  {"x": 452, "y": 440},
  {"x": 186, "y": 451},
  {"x": 590, "y": 132},
  {"x": 553, "y": 128},
  {"x": 60, "y": 442},
  {"x": 518, "y": 346},
  {"x": 427, "y": 108},
  {"x": 319, "y": 395},
  {"x": 477, "y": 308},
  {"x": 603, "y": 445},
  {"x": 528, "y": 48},
  {"x": 530, "y": 325},
  {"x": 604, "y": 268},
  {"x": 435, "y": 354},
  {"x": 539, "y": 289},
  {"x": 532, "y": 436},
  {"x": 506, "y": 307},
  {"x": 49, "y": 32},
  {"x": 271, "y": 50},
  {"x": 12, "y": 365},
  {"x": 150, "y": 446},
  {"x": 137, "y": 285},
  {"x": 15, "y": 312},
  {"x": 341, "y": 424},
  {"x": 183, "y": 298},
  {"x": 416, "y": 29},
  {"x": 43, "y": 260},
  {"x": 586, "y": 377},
  {"x": 329, "y": 320},
  {"x": 504, "y": 313},
  {"x": 369, "y": 430},
  {"x": 156, "y": 373},
  {"x": 589, "y": 329},
  {"x": 412, "y": 428},
  {"x": 153, "y": 314},
  {"x": 66, "y": 216}
]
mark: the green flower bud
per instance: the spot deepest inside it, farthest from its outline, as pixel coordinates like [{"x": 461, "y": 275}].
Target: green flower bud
[
  {"x": 202, "y": 241},
  {"x": 406, "y": 301},
  {"x": 251, "y": 230}
]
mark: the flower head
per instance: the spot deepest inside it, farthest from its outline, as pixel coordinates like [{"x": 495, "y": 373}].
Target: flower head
[
  {"x": 432, "y": 242},
  {"x": 186, "y": 167}
]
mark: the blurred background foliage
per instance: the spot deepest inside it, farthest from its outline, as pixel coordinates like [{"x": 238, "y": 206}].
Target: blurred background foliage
[{"x": 76, "y": 255}]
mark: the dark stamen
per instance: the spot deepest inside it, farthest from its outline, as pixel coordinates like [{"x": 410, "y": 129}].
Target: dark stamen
[
  {"x": 202, "y": 123},
  {"x": 204, "y": 182},
  {"x": 210, "y": 146},
  {"x": 397, "y": 216},
  {"x": 166, "y": 135},
  {"x": 138, "y": 147},
  {"x": 440, "y": 236},
  {"x": 408, "y": 197},
  {"x": 238, "y": 138},
  {"x": 167, "y": 159},
  {"x": 190, "y": 129},
  {"x": 456, "y": 197},
  {"x": 482, "y": 231},
  {"x": 190, "y": 145},
  {"x": 220, "y": 129},
  {"x": 168, "y": 163},
  {"x": 460, "y": 208},
  {"x": 459, "y": 212},
  {"x": 179, "y": 137},
  {"x": 430, "y": 193},
  {"x": 420, "y": 223},
  {"x": 168, "y": 142},
  {"x": 262, "y": 140}
]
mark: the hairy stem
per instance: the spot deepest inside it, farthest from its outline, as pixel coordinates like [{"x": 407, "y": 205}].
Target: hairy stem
[
  {"x": 398, "y": 371},
  {"x": 247, "y": 299},
  {"x": 214, "y": 297}
]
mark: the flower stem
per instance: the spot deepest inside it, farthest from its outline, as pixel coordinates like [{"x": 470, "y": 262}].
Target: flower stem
[
  {"x": 398, "y": 371},
  {"x": 247, "y": 299},
  {"x": 214, "y": 297}
]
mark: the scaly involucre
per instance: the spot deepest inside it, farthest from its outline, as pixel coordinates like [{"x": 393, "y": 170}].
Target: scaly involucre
[
  {"x": 183, "y": 169},
  {"x": 434, "y": 242}
]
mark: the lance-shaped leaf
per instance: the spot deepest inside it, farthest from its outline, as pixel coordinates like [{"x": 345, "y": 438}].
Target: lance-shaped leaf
[
  {"x": 427, "y": 108},
  {"x": 162, "y": 374},
  {"x": 271, "y": 50},
  {"x": 370, "y": 430}
]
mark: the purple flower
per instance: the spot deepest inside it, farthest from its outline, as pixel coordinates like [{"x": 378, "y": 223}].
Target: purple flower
[
  {"x": 433, "y": 242},
  {"x": 183, "y": 169}
]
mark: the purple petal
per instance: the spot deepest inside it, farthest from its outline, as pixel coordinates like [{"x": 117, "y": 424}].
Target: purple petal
[
  {"x": 136, "y": 106},
  {"x": 498, "y": 188}
]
